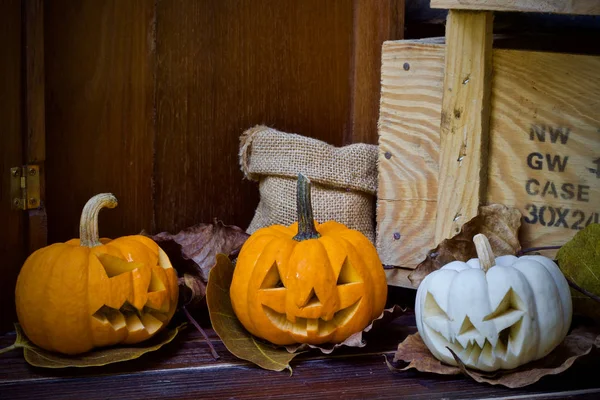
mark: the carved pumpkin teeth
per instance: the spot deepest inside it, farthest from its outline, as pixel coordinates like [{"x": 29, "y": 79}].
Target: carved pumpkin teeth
[
  {"x": 475, "y": 354},
  {"x": 316, "y": 326},
  {"x": 469, "y": 342},
  {"x": 151, "y": 324},
  {"x": 128, "y": 316}
]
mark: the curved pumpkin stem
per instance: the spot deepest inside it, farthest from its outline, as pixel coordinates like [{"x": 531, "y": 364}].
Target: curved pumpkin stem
[
  {"x": 88, "y": 225},
  {"x": 485, "y": 254},
  {"x": 306, "y": 222}
]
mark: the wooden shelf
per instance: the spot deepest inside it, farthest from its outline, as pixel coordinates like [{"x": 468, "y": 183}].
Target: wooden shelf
[
  {"x": 185, "y": 369},
  {"x": 574, "y": 7}
]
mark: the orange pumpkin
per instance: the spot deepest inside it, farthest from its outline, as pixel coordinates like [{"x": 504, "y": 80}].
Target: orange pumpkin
[
  {"x": 72, "y": 297},
  {"x": 309, "y": 282}
]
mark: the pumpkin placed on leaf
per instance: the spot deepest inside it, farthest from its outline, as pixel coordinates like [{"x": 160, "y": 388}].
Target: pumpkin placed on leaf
[
  {"x": 494, "y": 314},
  {"x": 309, "y": 282},
  {"x": 72, "y": 297}
]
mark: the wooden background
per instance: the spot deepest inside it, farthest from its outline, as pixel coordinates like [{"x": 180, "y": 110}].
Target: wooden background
[{"x": 147, "y": 99}]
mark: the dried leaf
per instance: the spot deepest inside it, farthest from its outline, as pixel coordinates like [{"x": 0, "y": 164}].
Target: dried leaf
[
  {"x": 191, "y": 290},
  {"x": 38, "y": 357},
  {"x": 498, "y": 222},
  {"x": 233, "y": 334},
  {"x": 577, "y": 344},
  {"x": 193, "y": 250},
  {"x": 413, "y": 351},
  {"x": 579, "y": 260},
  {"x": 355, "y": 340}
]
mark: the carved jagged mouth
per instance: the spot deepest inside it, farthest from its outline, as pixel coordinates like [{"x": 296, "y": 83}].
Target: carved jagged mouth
[
  {"x": 128, "y": 316},
  {"x": 303, "y": 326},
  {"x": 474, "y": 345}
]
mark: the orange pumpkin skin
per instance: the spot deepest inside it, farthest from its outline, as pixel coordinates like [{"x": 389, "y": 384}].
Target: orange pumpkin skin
[
  {"x": 331, "y": 286},
  {"x": 71, "y": 298}
]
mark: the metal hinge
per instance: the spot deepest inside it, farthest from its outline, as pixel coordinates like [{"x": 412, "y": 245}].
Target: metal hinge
[{"x": 25, "y": 187}]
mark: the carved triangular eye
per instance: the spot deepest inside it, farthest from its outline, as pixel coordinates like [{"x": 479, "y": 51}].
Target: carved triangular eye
[
  {"x": 156, "y": 284},
  {"x": 432, "y": 308},
  {"x": 348, "y": 274},
  {"x": 115, "y": 266},
  {"x": 272, "y": 279}
]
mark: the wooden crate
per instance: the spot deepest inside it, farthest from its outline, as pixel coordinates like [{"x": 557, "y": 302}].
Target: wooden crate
[{"x": 462, "y": 125}]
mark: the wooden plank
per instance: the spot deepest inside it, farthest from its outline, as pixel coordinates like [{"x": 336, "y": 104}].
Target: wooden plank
[
  {"x": 581, "y": 7},
  {"x": 398, "y": 277},
  {"x": 100, "y": 60},
  {"x": 226, "y": 66},
  {"x": 35, "y": 116},
  {"x": 545, "y": 142},
  {"x": 464, "y": 129},
  {"x": 184, "y": 369},
  {"x": 12, "y": 235},
  {"x": 409, "y": 124},
  {"x": 374, "y": 23},
  {"x": 530, "y": 90}
]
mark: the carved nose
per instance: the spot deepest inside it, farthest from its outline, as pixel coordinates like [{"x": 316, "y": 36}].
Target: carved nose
[{"x": 312, "y": 300}]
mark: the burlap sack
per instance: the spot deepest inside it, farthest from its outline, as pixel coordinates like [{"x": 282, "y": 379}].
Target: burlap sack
[{"x": 344, "y": 179}]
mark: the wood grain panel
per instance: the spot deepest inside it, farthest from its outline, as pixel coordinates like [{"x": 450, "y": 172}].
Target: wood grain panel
[
  {"x": 374, "y": 23},
  {"x": 226, "y": 66},
  {"x": 35, "y": 117},
  {"x": 534, "y": 95},
  {"x": 464, "y": 129},
  {"x": 12, "y": 234},
  {"x": 99, "y": 112},
  {"x": 409, "y": 124},
  {"x": 583, "y": 7},
  {"x": 545, "y": 143}
]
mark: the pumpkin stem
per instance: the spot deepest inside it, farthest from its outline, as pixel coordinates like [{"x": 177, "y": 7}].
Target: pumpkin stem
[
  {"x": 484, "y": 252},
  {"x": 306, "y": 222},
  {"x": 88, "y": 225}
]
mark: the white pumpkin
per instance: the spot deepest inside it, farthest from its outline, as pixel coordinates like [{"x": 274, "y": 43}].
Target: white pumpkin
[{"x": 494, "y": 314}]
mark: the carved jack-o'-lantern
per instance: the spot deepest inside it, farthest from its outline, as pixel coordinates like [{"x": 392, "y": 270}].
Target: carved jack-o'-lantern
[
  {"x": 86, "y": 293},
  {"x": 309, "y": 282},
  {"x": 494, "y": 314}
]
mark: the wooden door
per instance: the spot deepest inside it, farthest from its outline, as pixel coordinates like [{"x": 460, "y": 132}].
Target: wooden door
[
  {"x": 12, "y": 234},
  {"x": 22, "y": 140}
]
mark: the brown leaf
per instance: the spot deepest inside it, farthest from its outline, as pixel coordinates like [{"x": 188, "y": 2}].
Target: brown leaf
[
  {"x": 192, "y": 290},
  {"x": 355, "y": 340},
  {"x": 39, "y": 357},
  {"x": 193, "y": 250},
  {"x": 413, "y": 351},
  {"x": 499, "y": 223},
  {"x": 577, "y": 344},
  {"x": 233, "y": 334}
]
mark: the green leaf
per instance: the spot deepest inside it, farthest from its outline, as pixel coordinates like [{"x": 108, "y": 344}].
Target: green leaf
[
  {"x": 39, "y": 357},
  {"x": 579, "y": 260},
  {"x": 20, "y": 342},
  {"x": 233, "y": 334}
]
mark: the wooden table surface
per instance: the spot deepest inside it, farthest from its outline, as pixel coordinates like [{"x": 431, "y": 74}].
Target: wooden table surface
[{"x": 185, "y": 369}]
